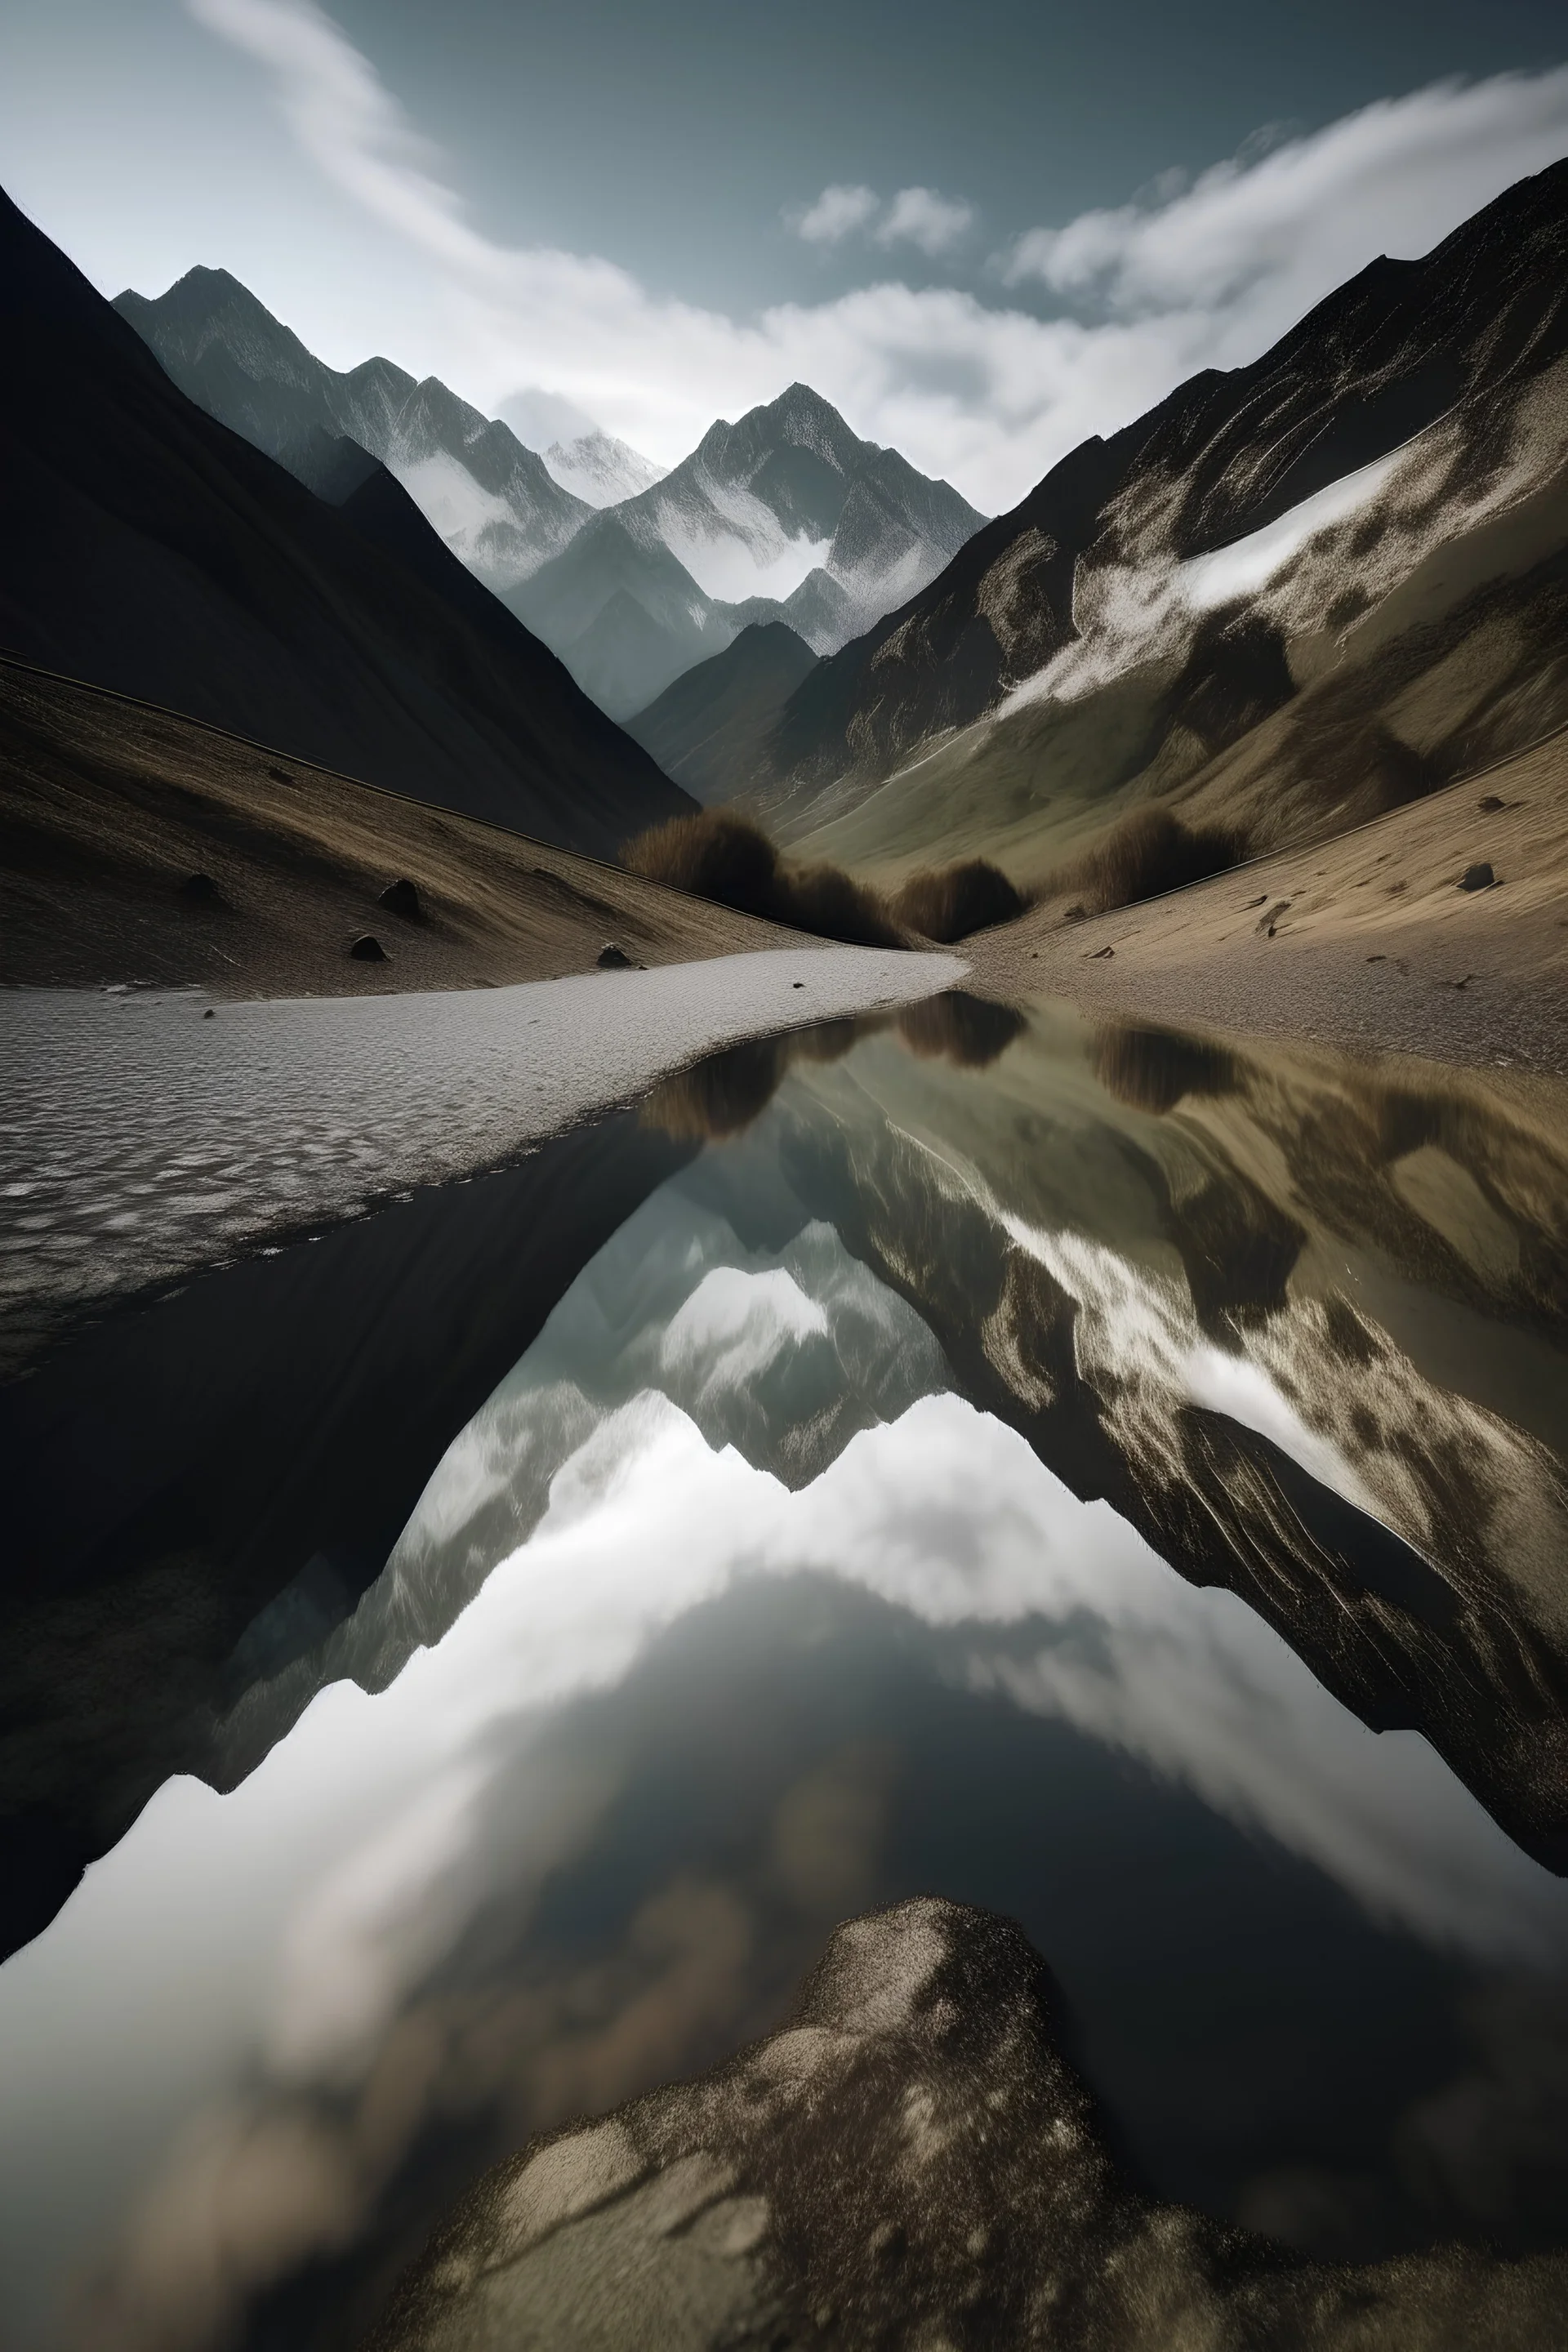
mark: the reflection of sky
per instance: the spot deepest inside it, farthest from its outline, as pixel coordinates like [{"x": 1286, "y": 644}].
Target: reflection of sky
[{"x": 273, "y": 1937}]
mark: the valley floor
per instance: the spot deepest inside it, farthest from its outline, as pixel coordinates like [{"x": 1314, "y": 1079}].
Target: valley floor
[{"x": 1367, "y": 940}]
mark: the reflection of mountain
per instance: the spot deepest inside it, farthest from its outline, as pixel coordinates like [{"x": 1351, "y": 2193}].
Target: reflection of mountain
[
  {"x": 258, "y": 1440},
  {"x": 1291, "y": 595},
  {"x": 1261, "y": 1429}
]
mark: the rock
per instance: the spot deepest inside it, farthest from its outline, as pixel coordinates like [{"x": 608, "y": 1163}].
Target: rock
[
  {"x": 201, "y": 890},
  {"x": 909, "y": 2162},
  {"x": 401, "y": 898},
  {"x": 367, "y": 948},
  {"x": 1477, "y": 877},
  {"x": 611, "y": 958},
  {"x": 1489, "y": 803},
  {"x": 207, "y": 1015}
]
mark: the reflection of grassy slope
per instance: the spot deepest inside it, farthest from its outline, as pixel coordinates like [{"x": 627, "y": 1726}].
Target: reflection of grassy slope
[{"x": 1461, "y": 665}]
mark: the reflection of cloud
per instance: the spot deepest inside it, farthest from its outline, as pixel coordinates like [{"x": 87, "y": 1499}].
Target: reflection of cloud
[{"x": 360, "y": 1826}]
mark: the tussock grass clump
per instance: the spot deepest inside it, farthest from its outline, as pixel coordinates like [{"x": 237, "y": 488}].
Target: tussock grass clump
[
  {"x": 717, "y": 854},
  {"x": 946, "y": 903},
  {"x": 1150, "y": 852}
]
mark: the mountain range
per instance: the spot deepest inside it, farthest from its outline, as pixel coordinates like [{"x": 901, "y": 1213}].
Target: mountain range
[
  {"x": 631, "y": 574},
  {"x": 1290, "y": 596},
  {"x": 147, "y": 548}
]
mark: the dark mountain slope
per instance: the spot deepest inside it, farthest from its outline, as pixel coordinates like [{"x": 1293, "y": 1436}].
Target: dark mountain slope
[
  {"x": 233, "y": 358},
  {"x": 710, "y": 729},
  {"x": 147, "y": 548},
  {"x": 1399, "y": 346}
]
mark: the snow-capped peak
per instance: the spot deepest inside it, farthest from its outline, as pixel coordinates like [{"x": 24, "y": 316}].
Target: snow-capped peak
[{"x": 601, "y": 470}]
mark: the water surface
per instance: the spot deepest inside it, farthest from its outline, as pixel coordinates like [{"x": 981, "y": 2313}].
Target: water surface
[{"x": 1105, "y": 1476}]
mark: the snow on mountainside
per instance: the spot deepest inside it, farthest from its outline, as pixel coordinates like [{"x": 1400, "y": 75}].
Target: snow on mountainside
[
  {"x": 601, "y": 470},
  {"x": 494, "y": 502},
  {"x": 629, "y": 574}
]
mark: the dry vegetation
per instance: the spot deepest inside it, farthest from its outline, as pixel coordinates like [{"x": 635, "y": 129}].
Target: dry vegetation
[
  {"x": 728, "y": 858},
  {"x": 948, "y": 902},
  {"x": 1142, "y": 856}
]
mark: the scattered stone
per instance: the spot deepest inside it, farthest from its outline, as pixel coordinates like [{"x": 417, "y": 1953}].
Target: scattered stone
[
  {"x": 1395, "y": 888},
  {"x": 1489, "y": 803},
  {"x": 1076, "y": 915},
  {"x": 1261, "y": 901},
  {"x": 1478, "y": 877},
  {"x": 797, "y": 983},
  {"x": 367, "y": 948},
  {"x": 614, "y": 959},
  {"x": 1268, "y": 922},
  {"x": 401, "y": 897},
  {"x": 201, "y": 890},
  {"x": 1377, "y": 959},
  {"x": 208, "y": 1013},
  {"x": 280, "y": 775},
  {"x": 1098, "y": 954}
]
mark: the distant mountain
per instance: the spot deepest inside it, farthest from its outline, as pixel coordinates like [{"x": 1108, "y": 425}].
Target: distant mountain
[
  {"x": 601, "y": 470},
  {"x": 709, "y": 730},
  {"x": 147, "y": 548},
  {"x": 787, "y": 515},
  {"x": 498, "y": 505},
  {"x": 1286, "y": 595}
]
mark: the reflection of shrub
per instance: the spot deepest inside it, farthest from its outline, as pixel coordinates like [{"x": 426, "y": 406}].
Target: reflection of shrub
[
  {"x": 1150, "y": 852},
  {"x": 1154, "y": 1069},
  {"x": 947, "y": 903},
  {"x": 969, "y": 1030}
]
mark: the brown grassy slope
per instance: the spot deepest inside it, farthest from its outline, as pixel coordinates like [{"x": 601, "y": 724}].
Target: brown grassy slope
[
  {"x": 1365, "y": 939},
  {"x": 108, "y": 806}
]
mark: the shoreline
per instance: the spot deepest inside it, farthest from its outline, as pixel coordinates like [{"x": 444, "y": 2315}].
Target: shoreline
[
  {"x": 185, "y": 1141},
  {"x": 1364, "y": 942}
]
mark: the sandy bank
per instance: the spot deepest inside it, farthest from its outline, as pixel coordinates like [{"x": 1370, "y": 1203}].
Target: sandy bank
[
  {"x": 147, "y": 1139},
  {"x": 137, "y": 845},
  {"x": 1366, "y": 941}
]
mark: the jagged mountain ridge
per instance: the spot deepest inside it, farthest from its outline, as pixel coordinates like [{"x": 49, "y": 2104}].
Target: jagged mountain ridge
[
  {"x": 496, "y": 503},
  {"x": 147, "y": 548},
  {"x": 787, "y": 515},
  {"x": 789, "y": 498},
  {"x": 1422, "y": 368}
]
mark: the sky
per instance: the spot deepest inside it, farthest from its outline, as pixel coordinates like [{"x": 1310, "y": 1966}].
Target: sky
[{"x": 981, "y": 232}]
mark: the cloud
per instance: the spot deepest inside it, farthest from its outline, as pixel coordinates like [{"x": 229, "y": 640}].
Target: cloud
[
  {"x": 982, "y": 391},
  {"x": 935, "y": 222},
  {"x": 837, "y": 212},
  {"x": 1253, "y": 243}
]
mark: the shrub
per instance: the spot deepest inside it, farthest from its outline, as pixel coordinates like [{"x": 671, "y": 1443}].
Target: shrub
[
  {"x": 1150, "y": 852},
  {"x": 947, "y": 903},
  {"x": 713, "y": 855},
  {"x": 826, "y": 901}
]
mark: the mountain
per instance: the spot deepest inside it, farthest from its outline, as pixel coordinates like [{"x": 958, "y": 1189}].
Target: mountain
[
  {"x": 787, "y": 515},
  {"x": 147, "y": 548},
  {"x": 1288, "y": 594},
  {"x": 601, "y": 470},
  {"x": 709, "y": 731},
  {"x": 498, "y": 505}
]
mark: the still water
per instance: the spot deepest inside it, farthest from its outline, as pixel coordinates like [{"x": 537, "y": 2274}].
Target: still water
[{"x": 1092, "y": 1473}]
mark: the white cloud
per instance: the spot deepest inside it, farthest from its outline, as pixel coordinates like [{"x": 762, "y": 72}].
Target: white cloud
[
  {"x": 935, "y": 222},
  {"x": 1252, "y": 244},
  {"x": 984, "y": 393},
  {"x": 836, "y": 214}
]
